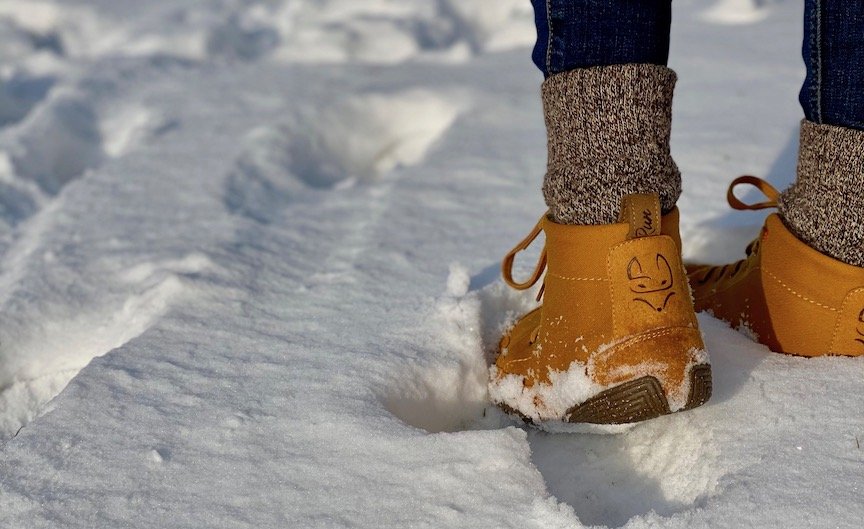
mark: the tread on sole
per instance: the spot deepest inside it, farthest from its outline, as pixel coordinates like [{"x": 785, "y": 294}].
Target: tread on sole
[{"x": 635, "y": 401}]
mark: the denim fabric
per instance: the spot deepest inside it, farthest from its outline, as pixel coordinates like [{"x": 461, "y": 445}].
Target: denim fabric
[
  {"x": 833, "y": 91},
  {"x": 582, "y": 33}
]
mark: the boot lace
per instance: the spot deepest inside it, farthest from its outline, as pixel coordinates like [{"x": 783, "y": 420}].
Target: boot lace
[
  {"x": 716, "y": 273},
  {"x": 539, "y": 268}
]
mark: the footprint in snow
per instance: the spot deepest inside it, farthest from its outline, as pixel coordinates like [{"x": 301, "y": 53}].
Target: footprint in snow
[
  {"x": 20, "y": 93},
  {"x": 60, "y": 139},
  {"x": 40, "y": 356},
  {"x": 359, "y": 139}
]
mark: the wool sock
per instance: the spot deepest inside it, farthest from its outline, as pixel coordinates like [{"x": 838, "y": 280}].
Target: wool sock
[
  {"x": 608, "y": 136},
  {"x": 825, "y": 206}
]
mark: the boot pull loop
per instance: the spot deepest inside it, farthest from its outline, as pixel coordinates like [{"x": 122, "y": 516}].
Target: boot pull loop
[
  {"x": 642, "y": 213},
  {"x": 507, "y": 263},
  {"x": 767, "y": 189}
]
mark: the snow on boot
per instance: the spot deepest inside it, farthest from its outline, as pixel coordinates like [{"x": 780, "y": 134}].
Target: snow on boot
[
  {"x": 616, "y": 339},
  {"x": 785, "y": 294}
]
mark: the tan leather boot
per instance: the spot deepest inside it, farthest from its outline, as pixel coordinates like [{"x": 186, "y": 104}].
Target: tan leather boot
[
  {"x": 785, "y": 294},
  {"x": 616, "y": 339}
]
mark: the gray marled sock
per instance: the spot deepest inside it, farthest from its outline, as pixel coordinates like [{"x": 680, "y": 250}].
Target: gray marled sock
[
  {"x": 608, "y": 136},
  {"x": 825, "y": 206}
]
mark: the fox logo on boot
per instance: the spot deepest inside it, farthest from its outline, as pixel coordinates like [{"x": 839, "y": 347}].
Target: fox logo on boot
[{"x": 653, "y": 284}]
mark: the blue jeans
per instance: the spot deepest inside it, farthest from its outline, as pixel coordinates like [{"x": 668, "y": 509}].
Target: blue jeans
[
  {"x": 833, "y": 90},
  {"x": 583, "y": 33}
]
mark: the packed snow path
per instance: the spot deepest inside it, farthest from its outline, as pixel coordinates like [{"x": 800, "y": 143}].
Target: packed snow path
[{"x": 248, "y": 275}]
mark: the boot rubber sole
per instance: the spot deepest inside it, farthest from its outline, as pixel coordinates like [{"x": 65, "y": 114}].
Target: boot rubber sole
[{"x": 635, "y": 401}]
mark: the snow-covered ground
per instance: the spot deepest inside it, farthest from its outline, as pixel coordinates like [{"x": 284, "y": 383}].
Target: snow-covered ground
[{"x": 248, "y": 275}]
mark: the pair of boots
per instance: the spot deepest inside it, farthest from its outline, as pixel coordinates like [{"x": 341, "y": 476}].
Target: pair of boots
[{"x": 616, "y": 338}]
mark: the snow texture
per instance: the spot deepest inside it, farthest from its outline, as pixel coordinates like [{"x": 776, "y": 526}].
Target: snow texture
[{"x": 249, "y": 275}]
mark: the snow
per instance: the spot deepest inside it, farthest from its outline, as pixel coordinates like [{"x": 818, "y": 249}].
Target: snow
[{"x": 249, "y": 275}]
